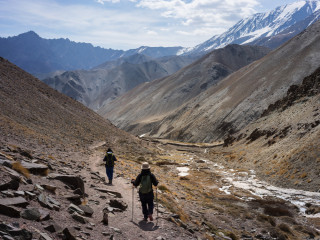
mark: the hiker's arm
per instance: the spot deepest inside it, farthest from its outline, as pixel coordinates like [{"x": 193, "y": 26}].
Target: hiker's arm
[
  {"x": 105, "y": 158},
  {"x": 136, "y": 182},
  {"x": 114, "y": 158},
  {"x": 154, "y": 180}
]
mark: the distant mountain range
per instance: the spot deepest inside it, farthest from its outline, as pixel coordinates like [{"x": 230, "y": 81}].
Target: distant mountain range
[
  {"x": 266, "y": 29},
  {"x": 176, "y": 108},
  {"x": 99, "y": 86},
  {"x": 37, "y": 55}
]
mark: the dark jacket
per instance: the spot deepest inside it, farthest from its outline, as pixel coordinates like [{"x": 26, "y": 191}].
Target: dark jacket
[
  {"x": 145, "y": 172},
  {"x": 109, "y": 159}
]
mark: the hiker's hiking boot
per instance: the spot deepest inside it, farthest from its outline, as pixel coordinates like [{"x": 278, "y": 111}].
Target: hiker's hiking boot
[
  {"x": 150, "y": 217},
  {"x": 145, "y": 219}
]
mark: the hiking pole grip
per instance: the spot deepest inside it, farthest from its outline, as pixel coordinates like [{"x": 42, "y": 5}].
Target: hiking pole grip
[{"x": 132, "y": 202}]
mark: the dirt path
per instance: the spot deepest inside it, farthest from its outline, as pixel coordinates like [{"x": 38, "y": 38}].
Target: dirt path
[{"x": 122, "y": 222}]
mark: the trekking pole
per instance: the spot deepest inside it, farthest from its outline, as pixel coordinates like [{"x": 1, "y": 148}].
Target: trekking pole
[
  {"x": 157, "y": 202},
  {"x": 132, "y": 202}
]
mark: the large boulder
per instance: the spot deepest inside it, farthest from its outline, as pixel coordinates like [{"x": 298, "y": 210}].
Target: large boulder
[
  {"x": 16, "y": 201},
  {"x": 9, "y": 211},
  {"x": 35, "y": 168},
  {"x": 71, "y": 180}
]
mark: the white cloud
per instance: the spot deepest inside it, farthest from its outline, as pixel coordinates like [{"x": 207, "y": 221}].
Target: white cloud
[
  {"x": 202, "y": 12},
  {"x": 103, "y": 1},
  {"x": 127, "y": 24}
]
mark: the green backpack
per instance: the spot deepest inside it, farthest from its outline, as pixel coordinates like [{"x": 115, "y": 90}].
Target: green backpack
[{"x": 146, "y": 184}]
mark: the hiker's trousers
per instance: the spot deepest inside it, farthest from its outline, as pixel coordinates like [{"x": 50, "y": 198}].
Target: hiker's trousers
[
  {"x": 147, "y": 203},
  {"x": 109, "y": 171}
]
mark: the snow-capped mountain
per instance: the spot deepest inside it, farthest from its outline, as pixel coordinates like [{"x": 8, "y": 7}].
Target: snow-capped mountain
[{"x": 263, "y": 25}]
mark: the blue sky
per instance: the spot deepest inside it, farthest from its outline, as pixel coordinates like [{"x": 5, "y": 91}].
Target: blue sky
[{"x": 127, "y": 24}]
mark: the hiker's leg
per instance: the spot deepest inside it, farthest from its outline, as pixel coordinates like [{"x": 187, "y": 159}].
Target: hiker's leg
[
  {"x": 150, "y": 203},
  {"x": 144, "y": 205},
  {"x": 109, "y": 173}
]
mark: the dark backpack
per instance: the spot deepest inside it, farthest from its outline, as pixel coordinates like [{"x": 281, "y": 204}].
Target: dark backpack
[
  {"x": 109, "y": 160},
  {"x": 145, "y": 184}
]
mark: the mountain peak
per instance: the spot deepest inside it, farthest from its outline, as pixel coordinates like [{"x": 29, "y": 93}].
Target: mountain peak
[
  {"x": 262, "y": 25},
  {"x": 29, "y": 34}
]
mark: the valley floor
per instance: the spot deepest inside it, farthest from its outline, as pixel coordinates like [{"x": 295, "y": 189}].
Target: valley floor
[{"x": 198, "y": 197}]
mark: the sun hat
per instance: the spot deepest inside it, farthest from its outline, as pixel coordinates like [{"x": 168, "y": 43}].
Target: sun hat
[{"x": 145, "y": 165}]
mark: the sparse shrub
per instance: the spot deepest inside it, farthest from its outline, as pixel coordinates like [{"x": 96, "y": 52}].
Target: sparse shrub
[
  {"x": 277, "y": 211},
  {"x": 163, "y": 188},
  {"x": 141, "y": 159},
  {"x": 232, "y": 236},
  {"x": 284, "y": 227},
  {"x": 303, "y": 175},
  {"x": 19, "y": 168}
]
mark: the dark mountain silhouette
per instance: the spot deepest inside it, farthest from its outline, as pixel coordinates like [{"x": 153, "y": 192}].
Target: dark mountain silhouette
[{"x": 37, "y": 55}]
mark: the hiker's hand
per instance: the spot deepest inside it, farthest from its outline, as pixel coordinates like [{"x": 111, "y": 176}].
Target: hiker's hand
[{"x": 132, "y": 181}]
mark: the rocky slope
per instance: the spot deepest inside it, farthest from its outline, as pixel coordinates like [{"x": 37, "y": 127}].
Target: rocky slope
[
  {"x": 147, "y": 105},
  {"x": 52, "y": 186},
  {"x": 235, "y": 101},
  {"x": 287, "y": 136},
  {"x": 99, "y": 86}
]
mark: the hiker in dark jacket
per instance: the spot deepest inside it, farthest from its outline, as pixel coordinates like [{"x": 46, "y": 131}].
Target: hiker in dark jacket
[
  {"x": 109, "y": 160},
  {"x": 146, "y": 179}
]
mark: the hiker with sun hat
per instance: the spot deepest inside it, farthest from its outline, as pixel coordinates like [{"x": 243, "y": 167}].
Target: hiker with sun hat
[{"x": 145, "y": 180}]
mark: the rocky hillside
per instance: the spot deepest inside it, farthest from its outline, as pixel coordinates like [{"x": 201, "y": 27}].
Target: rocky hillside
[
  {"x": 287, "y": 136},
  {"x": 35, "y": 116},
  {"x": 99, "y": 86},
  {"x": 52, "y": 180},
  {"x": 236, "y": 100},
  {"x": 143, "y": 108}
]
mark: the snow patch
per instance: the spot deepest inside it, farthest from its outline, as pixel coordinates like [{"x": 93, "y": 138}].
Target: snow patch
[{"x": 183, "y": 171}]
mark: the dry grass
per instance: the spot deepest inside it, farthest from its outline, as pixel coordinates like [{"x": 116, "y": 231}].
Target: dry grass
[{"x": 19, "y": 168}]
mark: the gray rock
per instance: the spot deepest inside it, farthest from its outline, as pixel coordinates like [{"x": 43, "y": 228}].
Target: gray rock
[
  {"x": 79, "y": 218},
  {"x": 69, "y": 234},
  {"x": 116, "y": 194},
  {"x": 118, "y": 204},
  {"x": 45, "y": 215},
  {"x": 73, "y": 208},
  {"x": 6, "y": 163},
  {"x": 88, "y": 211},
  {"x": 73, "y": 181},
  {"x": 44, "y": 236},
  {"x": 105, "y": 219},
  {"x": 20, "y": 234},
  {"x": 12, "y": 184},
  {"x": 76, "y": 199},
  {"x": 48, "y": 202},
  {"x": 9, "y": 211},
  {"x": 17, "y": 201},
  {"x": 31, "y": 214},
  {"x": 35, "y": 168},
  {"x": 50, "y": 188},
  {"x": 54, "y": 227}
]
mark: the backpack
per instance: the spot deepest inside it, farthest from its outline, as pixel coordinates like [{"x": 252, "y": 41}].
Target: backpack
[
  {"x": 146, "y": 184},
  {"x": 109, "y": 161}
]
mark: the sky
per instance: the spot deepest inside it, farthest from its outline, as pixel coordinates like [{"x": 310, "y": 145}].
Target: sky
[{"x": 128, "y": 24}]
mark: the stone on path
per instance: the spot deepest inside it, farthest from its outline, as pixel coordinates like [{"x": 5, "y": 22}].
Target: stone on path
[
  {"x": 116, "y": 194},
  {"x": 69, "y": 235},
  {"x": 17, "y": 201},
  {"x": 31, "y": 214},
  {"x": 76, "y": 216},
  {"x": 9, "y": 211},
  {"x": 118, "y": 204},
  {"x": 88, "y": 211}
]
